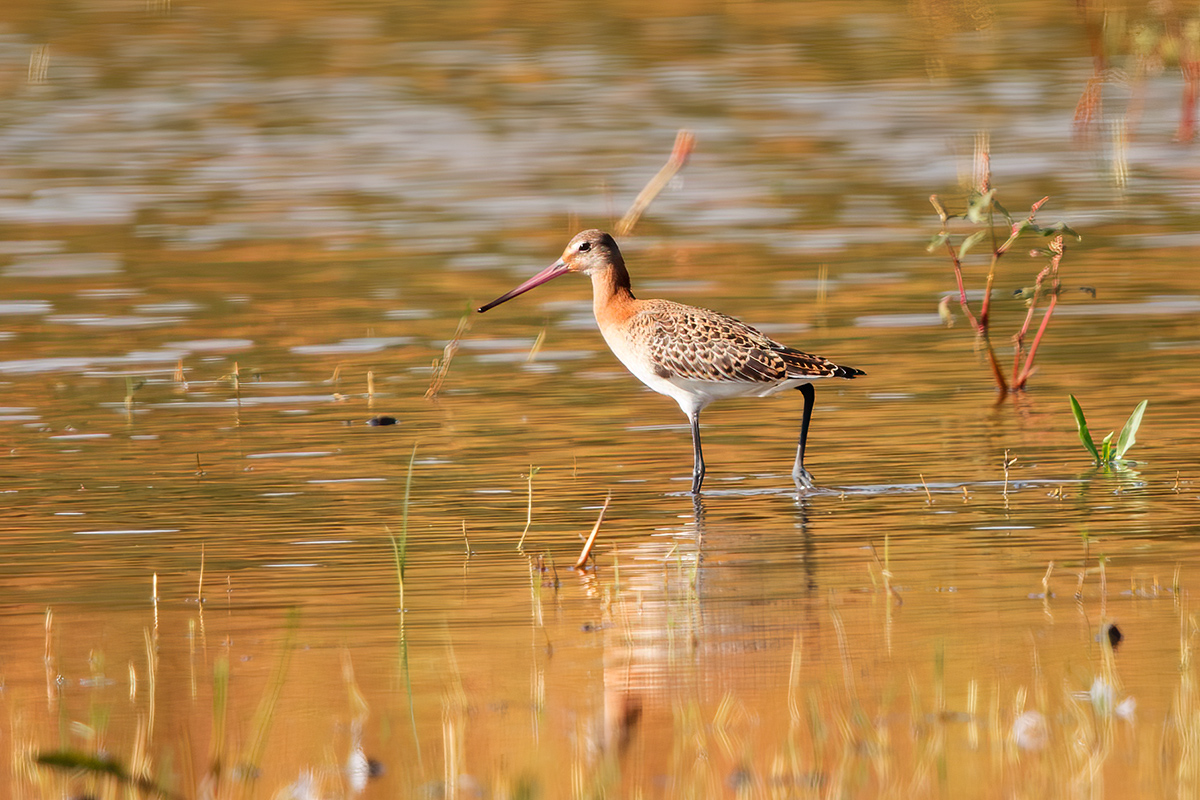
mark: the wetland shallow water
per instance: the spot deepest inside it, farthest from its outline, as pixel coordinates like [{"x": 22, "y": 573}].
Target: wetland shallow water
[{"x": 231, "y": 236}]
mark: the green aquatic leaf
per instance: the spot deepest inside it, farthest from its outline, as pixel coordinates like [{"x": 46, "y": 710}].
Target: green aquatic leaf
[
  {"x": 937, "y": 241},
  {"x": 1129, "y": 432},
  {"x": 1085, "y": 435},
  {"x": 1106, "y": 449}
]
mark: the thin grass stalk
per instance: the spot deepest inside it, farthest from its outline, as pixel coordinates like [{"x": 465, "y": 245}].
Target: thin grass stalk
[
  {"x": 220, "y": 701},
  {"x": 529, "y": 507},
  {"x": 151, "y": 678},
  {"x": 399, "y": 551},
  {"x": 48, "y": 662},
  {"x": 265, "y": 713}
]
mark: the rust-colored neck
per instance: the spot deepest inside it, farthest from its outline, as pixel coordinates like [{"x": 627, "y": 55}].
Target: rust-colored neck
[{"x": 611, "y": 294}]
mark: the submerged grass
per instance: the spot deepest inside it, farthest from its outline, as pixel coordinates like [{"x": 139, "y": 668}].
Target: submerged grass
[
  {"x": 400, "y": 554},
  {"x": 264, "y": 715}
]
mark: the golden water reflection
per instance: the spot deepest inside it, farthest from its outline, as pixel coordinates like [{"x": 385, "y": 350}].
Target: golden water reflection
[{"x": 228, "y": 241}]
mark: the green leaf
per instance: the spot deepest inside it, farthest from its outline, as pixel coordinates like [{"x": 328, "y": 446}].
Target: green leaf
[
  {"x": 1106, "y": 449},
  {"x": 978, "y": 207},
  {"x": 1085, "y": 435},
  {"x": 1023, "y": 226},
  {"x": 969, "y": 242},
  {"x": 937, "y": 241},
  {"x": 1003, "y": 210},
  {"x": 1060, "y": 227},
  {"x": 1129, "y": 432}
]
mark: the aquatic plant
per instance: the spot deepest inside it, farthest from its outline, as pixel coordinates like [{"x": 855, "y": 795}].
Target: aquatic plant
[
  {"x": 1109, "y": 454},
  {"x": 982, "y": 208}
]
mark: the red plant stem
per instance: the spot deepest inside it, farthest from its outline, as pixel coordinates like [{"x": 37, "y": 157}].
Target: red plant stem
[
  {"x": 1019, "y": 338},
  {"x": 996, "y": 372},
  {"x": 1187, "y": 111},
  {"x": 1019, "y": 383},
  {"x": 962, "y": 291},
  {"x": 1037, "y": 291},
  {"x": 985, "y": 306}
]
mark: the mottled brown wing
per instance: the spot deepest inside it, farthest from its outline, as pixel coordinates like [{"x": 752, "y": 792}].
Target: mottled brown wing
[
  {"x": 702, "y": 345},
  {"x": 802, "y": 365}
]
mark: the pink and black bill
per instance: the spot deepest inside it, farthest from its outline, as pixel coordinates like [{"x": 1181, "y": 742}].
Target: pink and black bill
[{"x": 548, "y": 274}]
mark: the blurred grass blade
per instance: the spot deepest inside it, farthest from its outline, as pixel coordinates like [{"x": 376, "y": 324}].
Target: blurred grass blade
[
  {"x": 97, "y": 765},
  {"x": 1129, "y": 432},
  {"x": 1085, "y": 435}
]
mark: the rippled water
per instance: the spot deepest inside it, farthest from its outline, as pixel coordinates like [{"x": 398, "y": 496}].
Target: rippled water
[{"x": 230, "y": 237}]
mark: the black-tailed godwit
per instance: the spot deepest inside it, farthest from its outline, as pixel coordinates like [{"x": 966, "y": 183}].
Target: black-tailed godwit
[{"x": 692, "y": 355}]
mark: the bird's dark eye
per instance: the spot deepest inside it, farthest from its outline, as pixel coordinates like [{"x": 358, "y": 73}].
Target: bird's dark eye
[{"x": 585, "y": 246}]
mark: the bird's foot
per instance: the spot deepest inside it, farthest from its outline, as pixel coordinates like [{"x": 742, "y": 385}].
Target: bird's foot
[{"x": 803, "y": 479}]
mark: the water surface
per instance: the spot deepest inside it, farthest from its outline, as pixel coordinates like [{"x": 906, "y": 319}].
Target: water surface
[{"x": 231, "y": 236}]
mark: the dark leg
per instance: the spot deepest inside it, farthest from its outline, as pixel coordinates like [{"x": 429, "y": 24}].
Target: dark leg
[
  {"x": 800, "y": 475},
  {"x": 697, "y": 455}
]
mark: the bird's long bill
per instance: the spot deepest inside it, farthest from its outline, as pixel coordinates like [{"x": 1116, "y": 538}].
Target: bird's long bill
[{"x": 548, "y": 274}]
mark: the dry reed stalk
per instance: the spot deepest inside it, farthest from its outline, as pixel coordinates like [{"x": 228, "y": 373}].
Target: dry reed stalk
[
  {"x": 1008, "y": 462},
  {"x": 39, "y": 64},
  {"x": 1046, "y": 593},
  {"x": 191, "y": 640},
  {"x": 591, "y": 540},
  {"x": 151, "y": 677},
  {"x": 844, "y": 651},
  {"x": 537, "y": 346},
  {"x": 685, "y": 142},
  {"x": 442, "y": 366},
  {"x": 48, "y": 660}
]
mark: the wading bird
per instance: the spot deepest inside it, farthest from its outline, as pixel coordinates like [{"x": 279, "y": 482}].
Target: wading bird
[{"x": 690, "y": 354}]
